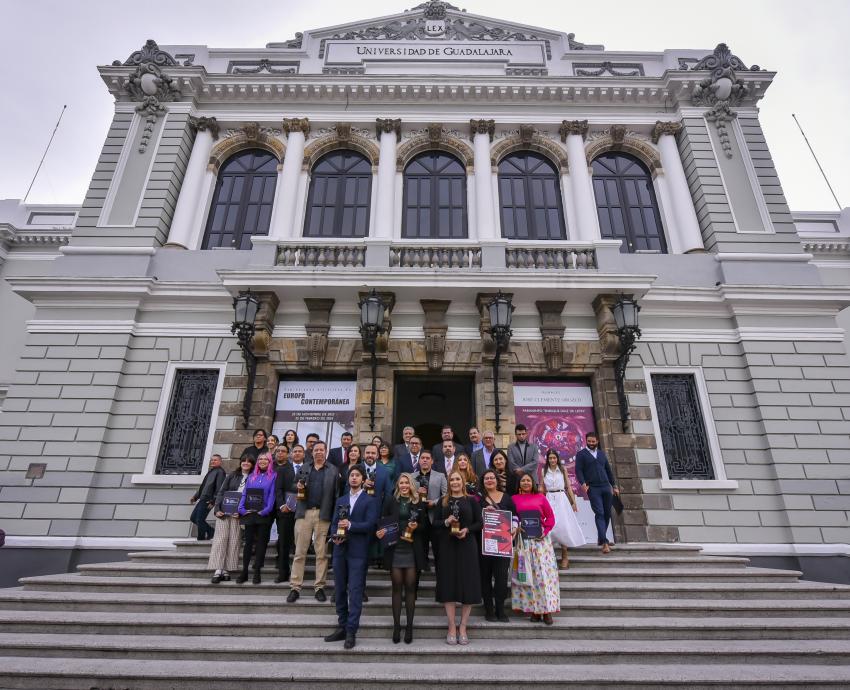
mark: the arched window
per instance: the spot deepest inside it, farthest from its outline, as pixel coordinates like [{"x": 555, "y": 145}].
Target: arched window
[
  {"x": 434, "y": 197},
  {"x": 530, "y": 198},
  {"x": 625, "y": 201},
  {"x": 242, "y": 202},
  {"x": 340, "y": 192}
]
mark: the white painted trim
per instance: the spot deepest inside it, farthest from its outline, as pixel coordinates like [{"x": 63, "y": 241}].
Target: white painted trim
[
  {"x": 116, "y": 543},
  {"x": 741, "y": 334},
  {"x": 719, "y": 170},
  {"x": 149, "y": 475},
  {"x": 730, "y": 549},
  {"x": 833, "y": 335},
  {"x": 762, "y": 256},
  {"x": 753, "y": 177},
  {"x": 165, "y": 330},
  {"x": 118, "y": 174},
  {"x": 84, "y": 250},
  {"x": 720, "y": 481}
]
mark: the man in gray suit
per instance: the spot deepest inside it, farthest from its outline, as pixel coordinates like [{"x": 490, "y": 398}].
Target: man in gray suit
[
  {"x": 313, "y": 517},
  {"x": 522, "y": 454},
  {"x": 432, "y": 487}
]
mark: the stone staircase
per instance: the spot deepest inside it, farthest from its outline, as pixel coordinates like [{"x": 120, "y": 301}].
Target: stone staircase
[{"x": 645, "y": 616}]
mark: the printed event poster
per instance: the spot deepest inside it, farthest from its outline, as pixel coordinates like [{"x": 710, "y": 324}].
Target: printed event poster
[
  {"x": 315, "y": 406},
  {"x": 496, "y": 533},
  {"x": 558, "y": 414}
]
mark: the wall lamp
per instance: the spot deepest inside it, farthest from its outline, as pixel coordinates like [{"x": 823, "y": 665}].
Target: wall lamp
[
  {"x": 371, "y": 326},
  {"x": 500, "y": 311},
  {"x": 245, "y": 308},
  {"x": 625, "y": 312}
]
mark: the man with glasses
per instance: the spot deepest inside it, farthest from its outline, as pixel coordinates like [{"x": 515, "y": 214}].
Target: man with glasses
[{"x": 410, "y": 461}]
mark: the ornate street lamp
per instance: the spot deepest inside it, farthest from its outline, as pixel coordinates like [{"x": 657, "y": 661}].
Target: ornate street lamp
[
  {"x": 500, "y": 311},
  {"x": 625, "y": 312},
  {"x": 245, "y": 308},
  {"x": 371, "y": 326}
]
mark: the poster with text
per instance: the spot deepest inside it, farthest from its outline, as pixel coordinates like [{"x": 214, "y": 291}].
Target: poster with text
[
  {"x": 324, "y": 407},
  {"x": 558, "y": 414}
]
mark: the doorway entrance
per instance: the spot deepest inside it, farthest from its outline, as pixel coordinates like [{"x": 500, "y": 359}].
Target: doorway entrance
[{"x": 428, "y": 402}]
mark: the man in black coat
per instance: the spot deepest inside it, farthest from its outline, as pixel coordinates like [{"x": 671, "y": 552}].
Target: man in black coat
[
  {"x": 403, "y": 449},
  {"x": 593, "y": 472},
  {"x": 204, "y": 497},
  {"x": 284, "y": 515},
  {"x": 446, "y": 434}
]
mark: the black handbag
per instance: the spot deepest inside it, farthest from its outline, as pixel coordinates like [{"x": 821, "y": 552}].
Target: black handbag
[{"x": 617, "y": 504}]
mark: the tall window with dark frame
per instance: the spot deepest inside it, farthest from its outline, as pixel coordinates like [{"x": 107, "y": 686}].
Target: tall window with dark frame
[
  {"x": 242, "y": 202},
  {"x": 683, "y": 434},
  {"x": 530, "y": 198},
  {"x": 339, "y": 197},
  {"x": 625, "y": 201},
  {"x": 434, "y": 197},
  {"x": 187, "y": 424}
]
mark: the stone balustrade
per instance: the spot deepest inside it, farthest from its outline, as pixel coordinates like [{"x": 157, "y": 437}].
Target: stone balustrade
[
  {"x": 321, "y": 256},
  {"x": 442, "y": 257},
  {"x": 556, "y": 258}
]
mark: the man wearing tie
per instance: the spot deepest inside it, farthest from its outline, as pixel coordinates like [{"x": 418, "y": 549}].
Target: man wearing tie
[
  {"x": 446, "y": 434},
  {"x": 409, "y": 462},
  {"x": 377, "y": 477},
  {"x": 337, "y": 456},
  {"x": 350, "y": 556},
  {"x": 593, "y": 472},
  {"x": 448, "y": 461},
  {"x": 481, "y": 457}
]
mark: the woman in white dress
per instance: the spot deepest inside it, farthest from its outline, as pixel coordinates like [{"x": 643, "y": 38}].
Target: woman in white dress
[{"x": 556, "y": 485}]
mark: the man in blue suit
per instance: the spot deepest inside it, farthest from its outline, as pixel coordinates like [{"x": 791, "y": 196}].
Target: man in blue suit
[
  {"x": 593, "y": 472},
  {"x": 379, "y": 480},
  {"x": 351, "y": 554}
]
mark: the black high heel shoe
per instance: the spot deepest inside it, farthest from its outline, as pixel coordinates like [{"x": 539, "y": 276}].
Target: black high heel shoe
[{"x": 396, "y": 633}]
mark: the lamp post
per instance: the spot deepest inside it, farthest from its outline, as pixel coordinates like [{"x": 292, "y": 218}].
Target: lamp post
[
  {"x": 500, "y": 311},
  {"x": 371, "y": 326},
  {"x": 625, "y": 312},
  {"x": 245, "y": 308}
]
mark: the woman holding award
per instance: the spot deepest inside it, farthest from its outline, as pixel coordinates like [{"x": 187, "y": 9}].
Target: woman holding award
[
  {"x": 224, "y": 553},
  {"x": 256, "y": 509},
  {"x": 536, "y": 589},
  {"x": 494, "y": 569},
  {"x": 555, "y": 483},
  {"x": 458, "y": 519},
  {"x": 406, "y": 558},
  {"x": 464, "y": 466}
]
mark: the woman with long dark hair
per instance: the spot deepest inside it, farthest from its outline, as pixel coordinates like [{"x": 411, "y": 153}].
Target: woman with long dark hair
[
  {"x": 506, "y": 480},
  {"x": 385, "y": 457},
  {"x": 290, "y": 439},
  {"x": 464, "y": 466},
  {"x": 405, "y": 559},
  {"x": 257, "y": 523},
  {"x": 224, "y": 553},
  {"x": 535, "y": 587},
  {"x": 494, "y": 569},
  {"x": 555, "y": 484}
]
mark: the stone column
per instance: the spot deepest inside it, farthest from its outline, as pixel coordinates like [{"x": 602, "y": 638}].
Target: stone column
[
  {"x": 389, "y": 134},
  {"x": 286, "y": 194},
  {"x": 685, "y": 236},
  {"x": 573, "y": 133},
  {"x": 481, "y": 133},
  {"x": 188, "y": 213}
]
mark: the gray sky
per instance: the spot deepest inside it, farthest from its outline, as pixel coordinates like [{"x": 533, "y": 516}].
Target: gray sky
[{"x": 49, "y": 50}]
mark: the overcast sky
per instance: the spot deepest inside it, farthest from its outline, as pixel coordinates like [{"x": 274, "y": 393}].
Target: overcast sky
[{"x": 49, "y": 50}]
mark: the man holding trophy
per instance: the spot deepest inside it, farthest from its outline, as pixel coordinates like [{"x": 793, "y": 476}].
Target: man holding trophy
[{"x": 355, "y": 516}]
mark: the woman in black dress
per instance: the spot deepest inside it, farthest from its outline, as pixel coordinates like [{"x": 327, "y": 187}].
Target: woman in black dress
[
  {"x": 405, "y": 559},
  {"x": 507, "y": 481},
  {"x": 458, "y": 580},
  {"x": 494, "y": 569}
]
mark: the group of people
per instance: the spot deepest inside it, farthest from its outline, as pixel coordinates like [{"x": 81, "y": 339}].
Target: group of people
[{"x": 434, "y": 502}]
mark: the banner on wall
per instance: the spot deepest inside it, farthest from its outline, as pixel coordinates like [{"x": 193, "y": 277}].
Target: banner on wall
[
  {"x": 558, "y": 414},
  {"x": 315, "y": 406}
]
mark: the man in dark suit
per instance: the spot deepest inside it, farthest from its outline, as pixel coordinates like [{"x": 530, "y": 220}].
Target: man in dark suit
[
  {"x": 409, "y": 461},
  {"x": 475, "y": 442},
  {"x": 522, "y": 455},
  {"x": 446, "y": 463},
  {"x": 351, "y": 554},
  {"x": 338, "y": 456},
  {"x": 437, "y": 451},
  {"x": 284, "y": 517},
  {"x": 378, "y": 478},
  {"x": 593, "y": 472},
  {"x": 313, "y": 517},
  {"x": 403, "y": 448},
  {"x": 481, "y": 457}
]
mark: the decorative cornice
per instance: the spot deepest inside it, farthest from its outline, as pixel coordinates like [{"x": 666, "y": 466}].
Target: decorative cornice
[
  {"x": 573, "y": 127},
  {"x": 385, "y": 125},
  {"x": 150, "y": 53},
  {"x": 722, "y": 61},
  {"x": 662, "y": 128},
  {"x": 482, "y": 127},
  {"x": 204, "y": 124},
  {"x": 615, "y": 69},
  {"x": 295, "y": 124}
]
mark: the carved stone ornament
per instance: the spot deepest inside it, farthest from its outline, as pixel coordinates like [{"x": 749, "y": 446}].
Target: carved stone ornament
[
  {"x": 386, "y": 125},
  {"x": 205, "y": 124},
  {"x": 575, "y": 45},
  {"x": 662, "y": 128},
  {"x": 618, "y": 134},
  {"x": 434, "y": 136},
  {"x": 341, "y": 135},
  {"x": 150, "y": 52},
  {"x": 264, "y": 323},
  {"x": 606, "y": 327},
  {"x": 552, "y": 331},
  {"x": 435, "y": 9},
  {"x": 720, "y": 115},
  {"x": 435, "y": 132},
  {"x": 573, "y": 127},
  {"x": 151, "y": 87},
  {"x": 295, "y": 124},
  {"x": 252, "y": 131},
  {"x": 526, "y": 133},
  {"x": 435, "y": 331},
  {"x": 318, "y": 326},
  {"x": 541, "y": 143},
  {"x": 615, "y": 69},
  {"x": 482, "y": 127}
]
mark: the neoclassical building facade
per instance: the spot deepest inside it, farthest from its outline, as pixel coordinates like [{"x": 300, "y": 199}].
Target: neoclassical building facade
[{"x": 438, "y": 158}]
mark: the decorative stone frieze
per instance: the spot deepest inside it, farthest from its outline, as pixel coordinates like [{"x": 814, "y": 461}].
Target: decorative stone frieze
[
  {"x": 205, "y": 124},
  {"x": 388, "y": 125},
  {"x": 527, "y": 133},
  {"x": 573, "y": 127},
  {"x": 301, "y": 124},
  {"x": 482, "y": 127},
  {"x": 661, "y": 128},
  {"x": 615, "y": 69},
  {"x": 252, "y": 135},
  {"x": 435, "y": 136},
  {"x": 552, "y": 331},
  {"x": 435, "y": 328},
  {"x": 539, "y": 143},
  {"x": 618, "y": 138},
  {"x": 318, "y": 326},
  {"x": 343, "y": 135}
]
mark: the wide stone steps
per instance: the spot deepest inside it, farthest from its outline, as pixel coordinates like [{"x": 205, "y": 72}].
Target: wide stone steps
[
  {"x": 315, "y": 626},
  {"x": 248, "y": 600},
  {"x": 85, "y": 674}
]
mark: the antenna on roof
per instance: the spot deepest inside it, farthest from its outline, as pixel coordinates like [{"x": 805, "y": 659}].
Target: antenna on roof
[
  {"x": 812, "y": 151},
  {"x": 29, "y": 189}
]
